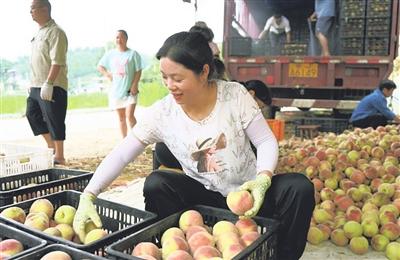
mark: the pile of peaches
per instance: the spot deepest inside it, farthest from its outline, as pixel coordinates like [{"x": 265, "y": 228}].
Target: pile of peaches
[{"x": 356, "y": 176}]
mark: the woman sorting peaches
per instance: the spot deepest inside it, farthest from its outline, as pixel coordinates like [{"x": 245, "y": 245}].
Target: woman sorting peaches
[{"x": 191, "y": 120}]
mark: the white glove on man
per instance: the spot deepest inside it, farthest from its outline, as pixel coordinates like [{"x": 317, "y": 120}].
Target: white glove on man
[{"x": 46, "y": 91}]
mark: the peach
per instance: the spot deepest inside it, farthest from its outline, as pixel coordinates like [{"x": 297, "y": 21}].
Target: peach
[
  {"x": 172, "y": 244},
  {"x": 370, "y": 228},
  {"x": 59, "y": 255},
  {"x": 231, "y": 251},
  {"x": 39, "y": 221},
  {"x": 14, "y": 213},
  {"x": 353, "y": 213},
  {"x": 326, "y": 230},
  {"x": 95, "y": 235},
  {"x": 352, "y": 229},
  {"x": 64, "y": 215},
  {"x": 179, "y": 255},
  {"x": 386, "y": 217},
  {"x": 359, "y": 245},
  {"x": 339, "y": 238},
  {"x": 173, "y": 231},
  {"x": 147, "y": 248},
  {"x": 390, "y": 230},
  {"x": 246, "y": 225},
  {"x": 355, "y": 194},
  {"x": 387, "y": 188},
  {"x": 199, "y": 239},
  {"x": 42, "y": 205},
  {"x": 369, "y": 206},
  {"x": 206, "y": 252},
  {"x": 52, "y": 231},
  {"x": 318, "y": 184},
  {"x": 249, "y": 238},
  {"x": 239, "y": 201},
  {"x": 315, "y": 236},
  {"x": 227, "y": 239},
  {"x": 66, "y": 231},
  {"x": 327, "y": 194},
  {"x": 392, "y": 251},
  {"x": 343, "y": 202},
  {"x": 10, "y": 247},
  {"x": 322, "y": 216},
  {"x": 190, "y": 218},
  {"x": 379, "y": 242},
  {"x": 377, "y": 152},
  {"x": 224, "y": 226}
]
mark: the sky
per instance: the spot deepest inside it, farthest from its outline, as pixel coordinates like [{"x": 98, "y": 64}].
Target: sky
[{"x": 93, "y": 23}]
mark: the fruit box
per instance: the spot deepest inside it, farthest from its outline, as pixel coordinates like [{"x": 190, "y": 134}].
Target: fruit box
[
  {"x": 29, "y": 242},
  {"x": 74, "y": 253},
  {"x": 17, "y": 188},
  {"x": 263, "y": 248},
  {"x": 17, "y": 159},
  {"x": 118, "y": 220}
]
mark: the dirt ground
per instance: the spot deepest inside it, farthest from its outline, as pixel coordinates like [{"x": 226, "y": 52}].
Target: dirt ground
[{"x": 90, "y": 137}]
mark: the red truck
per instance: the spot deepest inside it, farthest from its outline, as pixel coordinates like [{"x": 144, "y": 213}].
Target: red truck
[{"x": 364, "y": 44}]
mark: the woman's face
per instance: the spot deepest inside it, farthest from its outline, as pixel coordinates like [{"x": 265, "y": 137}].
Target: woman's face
[{"x": 182, "y": 83}]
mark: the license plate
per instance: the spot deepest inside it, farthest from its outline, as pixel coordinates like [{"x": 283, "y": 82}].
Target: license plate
[{"x": 306, "y": 70}]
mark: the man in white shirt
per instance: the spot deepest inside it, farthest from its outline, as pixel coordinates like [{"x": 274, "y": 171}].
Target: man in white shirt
[{"x": 277, "y": 27}]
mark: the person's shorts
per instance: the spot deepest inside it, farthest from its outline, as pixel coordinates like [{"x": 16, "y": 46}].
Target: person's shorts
[
  {"x": 47, "y": 116},
  {"x": 324, "y": 24},
  {"x": 114, "y": 103}
]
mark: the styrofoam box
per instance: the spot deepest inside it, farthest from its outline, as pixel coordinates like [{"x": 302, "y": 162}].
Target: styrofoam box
[{"x": 16, "y": 159}]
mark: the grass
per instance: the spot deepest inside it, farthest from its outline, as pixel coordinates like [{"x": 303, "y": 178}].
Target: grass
[{"x": 148, "y": 94}]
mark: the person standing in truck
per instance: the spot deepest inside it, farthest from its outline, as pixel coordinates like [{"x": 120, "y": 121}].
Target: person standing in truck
[
  {"x": 372, "y": 111},
  {"x": 278, "y": 29},
  {"x": 324, "y": 13}
]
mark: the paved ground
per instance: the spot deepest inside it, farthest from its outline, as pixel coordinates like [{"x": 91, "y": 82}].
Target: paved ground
[{"x": 95, "y": 133}]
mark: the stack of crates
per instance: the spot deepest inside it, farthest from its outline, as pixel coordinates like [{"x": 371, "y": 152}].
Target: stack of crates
[
  {"x": 352, "y": 27},
  {"x": 365, "y": 27},
  {"x": 378, "y": 20}
]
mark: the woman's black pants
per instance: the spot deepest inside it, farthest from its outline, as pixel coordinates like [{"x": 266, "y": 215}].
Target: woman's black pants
[{"x": 290, "y": 200}]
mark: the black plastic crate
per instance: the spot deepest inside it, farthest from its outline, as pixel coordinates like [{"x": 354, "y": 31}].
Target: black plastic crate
[
  {"x": 260, "y": 47},
  {"x": 118, "y": 220},
  {"x": 378, "y": 27},
  {"x": 352, "y": 46},
  {"x": 75, "y": 254},
  {"x": 30, "y": 242},
  {"x": 263, "y": 248},
  {"x": 327, "y": 124},
  {"x": 352, "y": 8},
  {"x": 379, "y": 8},
  {"x": 377, "y": 46},
  {"x": 352, "y": 27},
  {"x": 16, "y": 188},
  {"x": 239, "y": 46}
]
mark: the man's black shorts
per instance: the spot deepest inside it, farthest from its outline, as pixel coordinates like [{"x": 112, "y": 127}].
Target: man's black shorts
[{"x": 47, "y": 116}]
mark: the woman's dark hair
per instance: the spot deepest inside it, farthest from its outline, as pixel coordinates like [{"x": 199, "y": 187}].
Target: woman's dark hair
[
  {"x": 261, "y": 90},
  {"x": 124, "y": 33},
  {"x": 220, "y": 69},
  {"x": 205, "y": 31},
  {"x": 190, "y": 49}
]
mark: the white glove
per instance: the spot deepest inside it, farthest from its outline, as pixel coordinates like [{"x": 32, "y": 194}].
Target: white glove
[{"x": 46, "y": 91}]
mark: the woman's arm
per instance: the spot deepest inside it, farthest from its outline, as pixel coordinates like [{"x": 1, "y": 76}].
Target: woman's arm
[
  {"x": 267, "y": 146},
  {"x": 111, "y": 167}
]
